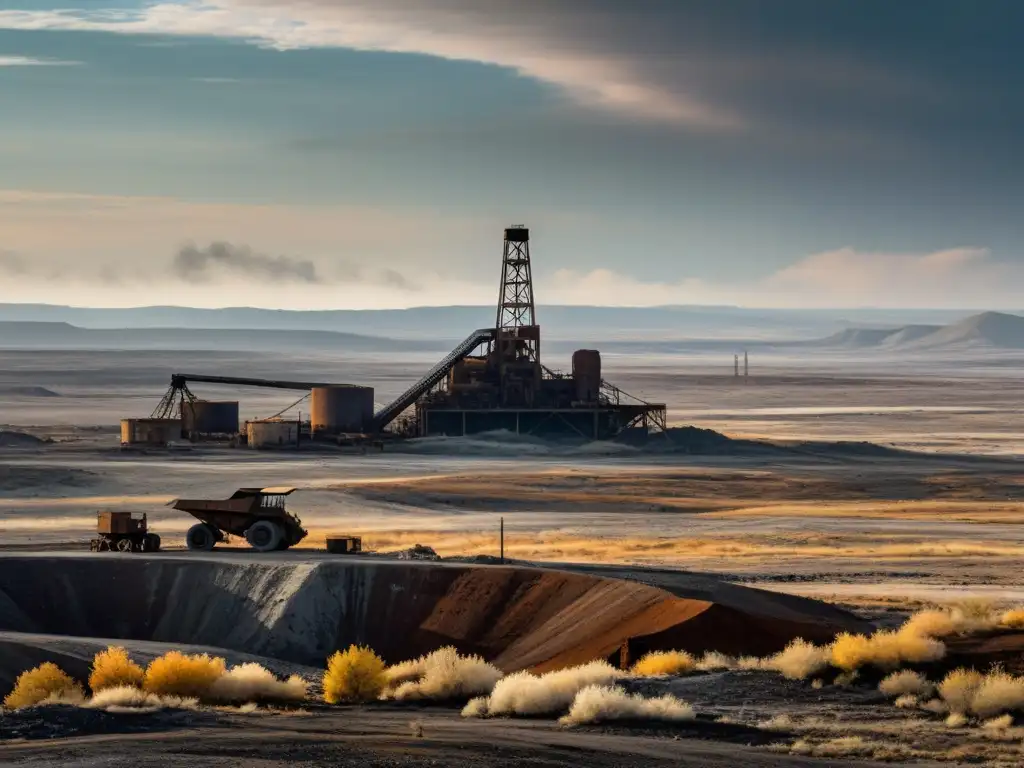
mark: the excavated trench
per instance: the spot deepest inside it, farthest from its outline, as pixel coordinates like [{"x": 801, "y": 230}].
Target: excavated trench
[{"x": 302, "y": 610}]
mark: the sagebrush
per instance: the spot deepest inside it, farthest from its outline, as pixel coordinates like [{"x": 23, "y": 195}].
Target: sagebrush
[
  {"x": 112, "y": 668},
  {"x": 354, "y": 675},
  {"x": 46, "y": 683},
  {"x": 442, "y": 675},
  {"x": 664, "y": 663},
  {"x": 601, "y": 703},
  {"x": 182, "y": 674}
]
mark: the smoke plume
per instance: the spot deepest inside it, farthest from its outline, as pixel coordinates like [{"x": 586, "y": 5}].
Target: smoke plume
[{"x": 198, "y": 265}]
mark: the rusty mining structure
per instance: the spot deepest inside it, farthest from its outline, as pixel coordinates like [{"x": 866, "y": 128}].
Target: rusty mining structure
[{"x": 493, "y": 380}]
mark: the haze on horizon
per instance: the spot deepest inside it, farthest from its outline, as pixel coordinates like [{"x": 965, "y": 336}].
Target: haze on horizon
[{"x": 353, "y": 154}]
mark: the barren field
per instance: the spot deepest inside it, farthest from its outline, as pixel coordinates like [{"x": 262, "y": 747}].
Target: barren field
[{"x": 877, "y": 490}]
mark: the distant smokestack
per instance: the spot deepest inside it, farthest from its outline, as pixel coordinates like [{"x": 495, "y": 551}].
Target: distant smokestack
[
  {"x": 746, "y": 364},
  {"x": 736, "y": 366}
]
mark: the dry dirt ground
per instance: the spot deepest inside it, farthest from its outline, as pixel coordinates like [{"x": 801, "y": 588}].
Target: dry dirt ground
[
  {"x": 390, "y": 737},
  {"x": 878, "y": 530}
]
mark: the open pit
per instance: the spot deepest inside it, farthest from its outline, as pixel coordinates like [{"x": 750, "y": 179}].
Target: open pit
[{"x": 299, "y": 609}]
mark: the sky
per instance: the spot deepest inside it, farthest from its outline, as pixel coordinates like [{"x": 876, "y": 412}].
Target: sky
[{"x": 368, "y": 153}]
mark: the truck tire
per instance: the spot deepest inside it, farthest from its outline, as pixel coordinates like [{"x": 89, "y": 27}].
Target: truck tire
[
  {"x": 151, "y": 543},
  {"x": 124, "y": 545},
  {"x": 264, "y": 536},
  {"x": 201, "y": 537}
]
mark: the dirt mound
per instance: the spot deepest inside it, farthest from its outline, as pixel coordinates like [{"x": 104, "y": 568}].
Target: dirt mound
[
  {"x": 518, "y": 618},
  {"x": 12, "y": 439},
  {"x": 28, "y": 392}
]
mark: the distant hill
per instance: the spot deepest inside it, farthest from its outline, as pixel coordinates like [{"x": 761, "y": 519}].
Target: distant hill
[
  {"x": 566, "y": 323},
  {"x": 995, "y": 330},
  {"x": 28, "y": 335}
]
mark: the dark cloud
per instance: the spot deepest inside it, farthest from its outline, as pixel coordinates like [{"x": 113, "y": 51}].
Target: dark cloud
[
  {"x": 201, "y": 265},
  {"x": 12, "y": 264}
]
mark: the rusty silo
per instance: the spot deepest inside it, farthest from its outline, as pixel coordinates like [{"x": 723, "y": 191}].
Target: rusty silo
[
  {"x": 150, "y": 431},
  {"x": 273, "y": 433},
  {"x": 210, "y": 417},
  {"x": 586, "y": 372},
  {"x": 340, "y": 409}
]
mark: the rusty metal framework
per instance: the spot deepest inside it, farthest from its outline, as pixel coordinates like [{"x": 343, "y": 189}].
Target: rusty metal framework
[{"x": 517, "y": 314}]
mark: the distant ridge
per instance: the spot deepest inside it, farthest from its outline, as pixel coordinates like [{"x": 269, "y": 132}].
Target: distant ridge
[
  {"x": 575, "y": 323},
  {"x": 995, "y": 330},
  {"x": 31, "y": 335}
]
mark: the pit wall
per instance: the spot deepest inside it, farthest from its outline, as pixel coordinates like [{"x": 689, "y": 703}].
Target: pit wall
[{"x": 517, "y": 617}]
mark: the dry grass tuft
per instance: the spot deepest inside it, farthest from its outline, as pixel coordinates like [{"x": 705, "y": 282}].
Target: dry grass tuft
[
  {"x": 664, "y": 663},
  {"x": 1013, "y": 618},
  {"x": 750, "y": 663},
  {"x": 884, "y": 650},
  {"x": 45, "y": 684},
  {"x": 1000, "y": 723},
  {"x": 442, "y": 676},
  {"x": 935, "y": 706},
  {"x": 998, "y": 692},
  {"x": 599, "y": 703},
  {"x": 129, "y": 699},
  {"x": 845, "y": 746},
  {"x": 906, "y": 701},
  {"x": 254, "y": 683},
  {"x": 956, "y": 720},
  {"x": 113, "y": 669},
  {"x": 781, "y": 722},
  {"x": 958, "y": 687},
  {"x": 354, "y": 675},
  {"x": 799, "y": 660},
  {"x": 906, "y": 682},
  {"x": 181, "y": 674},
  {"x": 713, "y": 661},
  {"x": 523, "y": 693}
]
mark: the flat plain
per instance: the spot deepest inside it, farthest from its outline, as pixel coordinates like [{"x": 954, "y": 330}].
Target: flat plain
[{"x": 877, "y": 484}]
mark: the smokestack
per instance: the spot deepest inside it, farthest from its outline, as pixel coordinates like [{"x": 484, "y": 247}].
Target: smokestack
[
  {"x": 736, "y": 366},
  {"x": 746, "y": 364}
]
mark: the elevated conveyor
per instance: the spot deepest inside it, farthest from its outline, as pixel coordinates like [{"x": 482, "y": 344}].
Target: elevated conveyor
[{"x": 391, "y": 411}]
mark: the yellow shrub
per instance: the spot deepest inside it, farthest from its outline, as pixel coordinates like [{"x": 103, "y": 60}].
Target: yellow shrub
[
  {"x": 112, "y": 669},
  {"x": 997, "y": 693},
  {"x": 798, "y": 660},
  {"x": 353, "y": 675},
  {"x": 1014, "y": 619},
  {"x": 850, "y": 652},
  {"x": 179, "y": 674},
  {"x": 884, "y": 650},
  {"x": 45, "y": 682},
  {"x": 957, "y": 689},
  {"x": 664, "y": 663}
]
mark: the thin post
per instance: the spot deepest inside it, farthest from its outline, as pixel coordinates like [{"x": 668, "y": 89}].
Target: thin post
[{"x": 502, "y": 539}]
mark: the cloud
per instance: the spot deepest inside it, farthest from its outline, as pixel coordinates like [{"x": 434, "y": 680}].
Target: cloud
[
  {"x": 570, "y": 44},
  {"x": 201, "y": 265},
  {"x": 28, "y": 61},
  {"x": 966, "y": 277}
]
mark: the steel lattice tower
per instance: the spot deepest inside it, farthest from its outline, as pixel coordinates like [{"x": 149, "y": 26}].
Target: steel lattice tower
[{"x": 516, "y": 323}]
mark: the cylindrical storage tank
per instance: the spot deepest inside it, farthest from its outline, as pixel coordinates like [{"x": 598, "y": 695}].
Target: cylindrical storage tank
[
  {"x": 586, "y": 371},
  {"x": 339, "y": 409},
  {"x": 272, "y": 433},
  {"x": 210, "y": 417},
  {"x": 150, "y": 431}
]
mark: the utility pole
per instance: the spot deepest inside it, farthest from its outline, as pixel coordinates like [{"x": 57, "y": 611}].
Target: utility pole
[
  {"x": 502, "y": 539},
  {"x": 736, "y": 366},
  {"x": 746, "y": 364}
]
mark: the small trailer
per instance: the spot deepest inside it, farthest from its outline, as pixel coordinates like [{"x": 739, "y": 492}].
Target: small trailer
[
  {"x": 258, "y": 514},
  {"x": 123, "y": 532}
]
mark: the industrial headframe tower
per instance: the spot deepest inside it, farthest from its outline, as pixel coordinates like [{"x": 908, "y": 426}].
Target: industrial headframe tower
[{"x": 504, "y": 386}]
